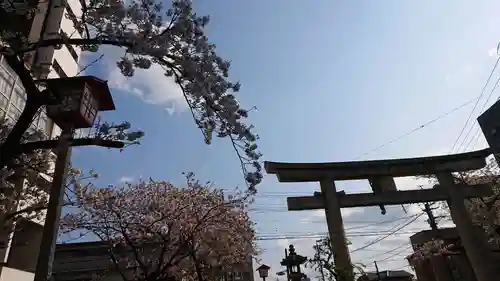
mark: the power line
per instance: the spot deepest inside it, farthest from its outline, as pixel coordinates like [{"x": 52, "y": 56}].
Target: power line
[
  {"x": 416, "y": 129},
  {"x": 397, "y": 253},
  {"x": 366, "y": 225},
  {"x": 475, "y": 105},
  {"x": 389, "y": 252},
  {"x": 388, "y": 235},
  {"x": 476, "y": 133},
  {"x": 322, "y": 235}
]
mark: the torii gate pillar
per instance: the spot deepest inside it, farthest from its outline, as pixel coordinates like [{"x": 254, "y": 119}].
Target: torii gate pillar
[{"x": 336, "y": 230}]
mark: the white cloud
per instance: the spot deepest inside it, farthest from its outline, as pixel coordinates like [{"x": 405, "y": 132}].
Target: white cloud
[
  {"x": 493, "y": 52},
  {"x": 283, "y": 243},
  {"x": 126, "y": 179},
  {"x": 150, "y": 85}
]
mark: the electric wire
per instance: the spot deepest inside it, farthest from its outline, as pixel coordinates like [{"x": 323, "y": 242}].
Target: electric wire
[
  {"x": 369, "y": 244},
  {"x": 396, "y": 253},
  {"x": 322, "y": 235},
  {"x": 416, "y": 129},
  {"x": 386, "y": 234},
  {"x": 387, "y": 252},
  {"x": 366, "y": 224},
  {"x": 475, "y": 105},
  {"x": 476, "y": 133}
]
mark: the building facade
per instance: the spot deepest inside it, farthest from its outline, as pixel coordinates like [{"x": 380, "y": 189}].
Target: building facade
[
  {"x": 19, "y": 248},
  {"x": 84, "y": 261}
]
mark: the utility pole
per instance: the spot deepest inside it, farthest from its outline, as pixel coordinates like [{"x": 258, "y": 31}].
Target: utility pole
[
  {"x": 378, "y": 272},
  {"x": 431, "y": 218}
]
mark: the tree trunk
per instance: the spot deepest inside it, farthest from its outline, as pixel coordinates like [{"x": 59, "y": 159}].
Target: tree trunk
[
  {"x": 197, "y": 267},
  {"x": 11, "y": 146}
]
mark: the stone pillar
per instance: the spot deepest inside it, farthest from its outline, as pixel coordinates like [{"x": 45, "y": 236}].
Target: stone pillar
[
  {"x": 336, "y": 230},
  {"x": 475, "y": 243}
]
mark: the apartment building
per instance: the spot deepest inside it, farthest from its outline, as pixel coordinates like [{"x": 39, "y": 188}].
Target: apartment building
[
  {"x": 19, "y": 249},
  {"x": 83, "y": 261}
]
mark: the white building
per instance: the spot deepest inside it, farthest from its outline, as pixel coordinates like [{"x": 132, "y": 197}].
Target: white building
[{"x": 19, "y": 251}]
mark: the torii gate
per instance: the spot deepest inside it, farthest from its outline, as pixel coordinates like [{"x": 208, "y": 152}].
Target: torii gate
[{"x": 380, "y": 174}]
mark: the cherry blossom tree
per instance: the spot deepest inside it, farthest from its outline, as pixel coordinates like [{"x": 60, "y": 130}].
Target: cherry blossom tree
[
  {"x": 147, "y": 33},
  {"x": 157, "y": 231},
  {"x": 434, "y": 247}
]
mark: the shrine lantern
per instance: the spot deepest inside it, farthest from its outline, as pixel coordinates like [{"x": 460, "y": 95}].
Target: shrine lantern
[{"x": 78, "y": 100}]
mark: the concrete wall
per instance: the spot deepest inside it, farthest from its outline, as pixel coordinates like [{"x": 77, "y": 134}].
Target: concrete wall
[
  {"x": 11, "y": 274},
  {"x": 25, "y": 246}
]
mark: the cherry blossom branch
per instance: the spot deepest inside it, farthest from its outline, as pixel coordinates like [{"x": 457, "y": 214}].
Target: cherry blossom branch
[
  {"x": 50, "y": 144},
  {"x": 84, "y": 12},
  {"x": 129, "y": 242}
]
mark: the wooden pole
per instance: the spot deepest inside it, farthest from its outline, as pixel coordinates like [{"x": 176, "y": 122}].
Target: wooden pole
[
  {"x": 52, "y": 219},
  {"x": 430, "y": 214},
  {"x": 336, "y": 231},
  {"x": 378, "y": 272},
  {"x": 475, "y": 242}
]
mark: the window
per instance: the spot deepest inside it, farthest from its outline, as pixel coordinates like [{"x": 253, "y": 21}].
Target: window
[
  {"x": 238, "y": 275},
  {"x": 70, "y": 47},
  {"x": 13, "y": 113},
  {"x": 3, "y": 102},
  {"x": 34, "y": 124},
  {"x": 88, "y": 109},
  {"x": 7, "y": 68},
  {"x": 45, "y": 124},
  {"x": 6, "y": 82},
  {"x": 57, "y": 68},
  {"x": 19, "y": 98}
]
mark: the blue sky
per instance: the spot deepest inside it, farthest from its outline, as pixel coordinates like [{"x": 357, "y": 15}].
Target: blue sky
[{"x": 332, "y": 80}]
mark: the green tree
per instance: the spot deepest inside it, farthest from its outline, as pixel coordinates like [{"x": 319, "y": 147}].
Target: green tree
[{"x": 323, "y": 261}]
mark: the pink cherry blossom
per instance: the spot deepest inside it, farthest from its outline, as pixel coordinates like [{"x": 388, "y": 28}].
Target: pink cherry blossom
[
  {"x": 435, "y": 247},
  {"x": 161, "y": 230}
]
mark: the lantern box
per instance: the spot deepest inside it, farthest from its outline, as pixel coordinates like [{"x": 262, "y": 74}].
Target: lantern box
[
  {"x": 80, "y": 99},
  {"x": 263, "y": 270}
]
